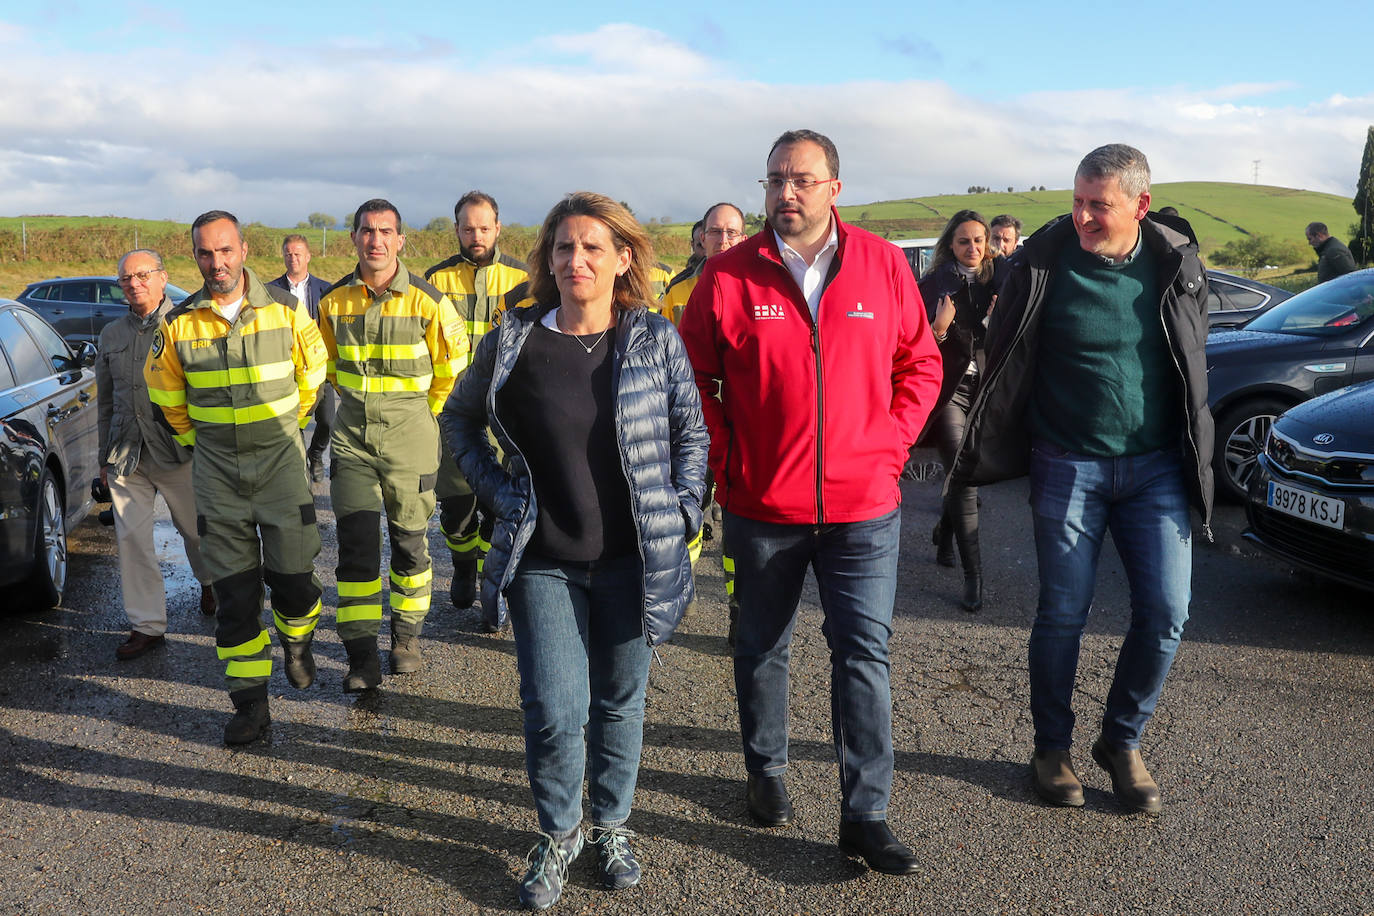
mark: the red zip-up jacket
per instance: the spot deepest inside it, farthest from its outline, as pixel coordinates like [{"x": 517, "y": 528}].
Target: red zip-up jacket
[{"x": 810, "y": 421}]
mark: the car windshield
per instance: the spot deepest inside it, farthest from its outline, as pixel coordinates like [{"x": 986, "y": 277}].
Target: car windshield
[{"x": 1323, "y": 310}]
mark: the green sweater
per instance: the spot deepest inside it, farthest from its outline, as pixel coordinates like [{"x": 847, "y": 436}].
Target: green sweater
[{"x": 1105, "y": 384}]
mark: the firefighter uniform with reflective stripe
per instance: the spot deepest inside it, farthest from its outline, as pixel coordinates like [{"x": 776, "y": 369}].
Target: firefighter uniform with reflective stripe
[
  {"x": 660, "y": 275},
  {"x": 675, "y": 299},
  {"x": 239, "y": 391},
  {"x": 479, "y": 293},
  {"x": 393, "y": 358}
]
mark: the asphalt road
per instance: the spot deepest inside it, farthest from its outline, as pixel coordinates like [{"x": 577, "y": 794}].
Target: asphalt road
[{"x": 117, "y": 795}]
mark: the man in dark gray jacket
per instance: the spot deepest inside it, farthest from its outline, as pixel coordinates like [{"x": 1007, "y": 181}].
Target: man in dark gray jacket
[
  {"x": 139, "y": 458},
  {"x": 1097, "y": 387},
  {"x": 1333, "y": 257}
]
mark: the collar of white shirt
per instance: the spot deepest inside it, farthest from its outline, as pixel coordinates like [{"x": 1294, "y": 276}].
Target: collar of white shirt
[{"x": 810, "y": 277}]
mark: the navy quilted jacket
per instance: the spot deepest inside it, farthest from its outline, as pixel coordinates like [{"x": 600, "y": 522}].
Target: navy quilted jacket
[{"x": 663, "y": 445}]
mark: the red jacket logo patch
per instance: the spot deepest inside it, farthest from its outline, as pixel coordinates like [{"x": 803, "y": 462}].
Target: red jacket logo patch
[{"x": 769, "y": 312}]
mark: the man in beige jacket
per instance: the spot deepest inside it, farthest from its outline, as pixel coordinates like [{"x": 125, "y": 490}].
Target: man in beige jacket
[{"x": 139, "y": 459}]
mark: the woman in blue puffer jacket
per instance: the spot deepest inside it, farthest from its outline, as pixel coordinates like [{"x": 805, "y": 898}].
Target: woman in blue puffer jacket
[{"x": 592, "y": 398}]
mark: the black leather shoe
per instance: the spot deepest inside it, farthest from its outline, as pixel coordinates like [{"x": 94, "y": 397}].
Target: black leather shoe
[
  {"x": 767, "y": 801},
  {"x": 315, "y": 465},
  {"x": 973, "y": 594},
  {"x": 873, "y": 842}
]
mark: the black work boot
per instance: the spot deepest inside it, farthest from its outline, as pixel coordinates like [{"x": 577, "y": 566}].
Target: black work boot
[
  {"x": 315, "y": 464},
  {"x": 462, "y": 591},
  {"x": 364, "y": 665},
  {"x": 300, "y": 662},
  {"x": 405, "y": 646},
  {"x": 248, "y": 723}
]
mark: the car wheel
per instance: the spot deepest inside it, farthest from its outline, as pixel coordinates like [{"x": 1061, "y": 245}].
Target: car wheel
[
  {"x": 1241, "y": 432},
  {"x": 49, "y": 575}
]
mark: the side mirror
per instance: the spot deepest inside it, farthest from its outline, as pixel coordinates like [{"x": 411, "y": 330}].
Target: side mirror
[{"x": 85, "y": 353}]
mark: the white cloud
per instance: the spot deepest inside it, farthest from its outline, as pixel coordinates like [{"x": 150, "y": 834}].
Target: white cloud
[{"x": 623, "y": 110}]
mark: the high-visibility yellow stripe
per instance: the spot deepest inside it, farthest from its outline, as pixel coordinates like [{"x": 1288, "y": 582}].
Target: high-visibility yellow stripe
[
  {"x": 401, "y": 602},
  {"x": 360, "y": 352},
  {"x": 249, "y": 669},
  {"x": 164, "y": 398},
  {"x": 369, "y": 384},
  {"x": 464, "y": 361},
  {"x": 241, "y": 416},
  {"x": 186, "y": 438},
  {"x": 727, "y": 563},
  {"x": 330, "y": 366},
  {"x": 414, "y": 581},
  {"x": 302, "y": 629},
  {"x": 694, "y": 549},
  {"x": 352, "y": 612},
  {"x": 360, "y": 589},
  {"x": 241, "y": 375},
  {"x": 252, "y": 647},
  {"x": 445, "y": 370},
  {"x": 465, "y": 545}
]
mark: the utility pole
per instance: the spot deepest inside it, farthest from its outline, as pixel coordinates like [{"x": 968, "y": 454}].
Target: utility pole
[{"x": 1256, "y": 163}]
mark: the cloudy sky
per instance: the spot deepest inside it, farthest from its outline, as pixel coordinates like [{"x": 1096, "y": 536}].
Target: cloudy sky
[{"x": 275, "y": 110}]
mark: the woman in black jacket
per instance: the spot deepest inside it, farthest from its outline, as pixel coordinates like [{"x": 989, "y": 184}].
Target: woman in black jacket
[
  {"x": 593, "y": 401},
  {"x": 959, "y": 291}
]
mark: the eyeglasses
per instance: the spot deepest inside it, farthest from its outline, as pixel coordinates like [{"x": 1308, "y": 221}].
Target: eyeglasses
[
  {"x": 142, "y": 276},
  {"x": 800, "y": 185},
  {"x": 729, "y": 234}
]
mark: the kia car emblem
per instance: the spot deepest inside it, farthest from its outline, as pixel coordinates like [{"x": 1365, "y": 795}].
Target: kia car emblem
[{"x": 1323, "y": 439}]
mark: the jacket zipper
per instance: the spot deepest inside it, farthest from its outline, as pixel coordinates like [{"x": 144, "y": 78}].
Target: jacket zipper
[
  {"x": 634, "y": 497},
  {"x": 820, "y": 420}
]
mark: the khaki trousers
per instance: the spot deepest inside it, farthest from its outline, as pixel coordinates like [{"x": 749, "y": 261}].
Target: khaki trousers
[{"x": 134, "y": 498}]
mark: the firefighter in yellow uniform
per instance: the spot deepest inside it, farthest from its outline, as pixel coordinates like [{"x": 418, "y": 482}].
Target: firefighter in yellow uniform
[
  {"x": 235, "y": 370},
  {"x": 481, "y": 282},
  {"x": 395, "y": 347},
  {"x": 722, "y": 228}
]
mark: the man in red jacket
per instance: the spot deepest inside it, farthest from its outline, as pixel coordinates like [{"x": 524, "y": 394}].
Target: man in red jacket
[{"x": 817, "y": 370}]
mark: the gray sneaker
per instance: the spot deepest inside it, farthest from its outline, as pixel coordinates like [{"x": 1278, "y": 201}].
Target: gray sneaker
[
  {"x": 548, "y": 865},
  {"x": 614, "y": 857}
]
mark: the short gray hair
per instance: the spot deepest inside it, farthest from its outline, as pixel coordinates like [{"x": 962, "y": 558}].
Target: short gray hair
[
  {"x": 1126, "y": 164},
  {"x": 148, "y": 251}
]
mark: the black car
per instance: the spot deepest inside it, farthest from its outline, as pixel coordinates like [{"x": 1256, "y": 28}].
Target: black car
[
  {"x": 80, "y": 306},
  {"x": 1312, "y": 497},
  {"x": 1313, "y": 343},
  {"x": 48, "y": 452},
  {"x": 1232, "y": 300}
]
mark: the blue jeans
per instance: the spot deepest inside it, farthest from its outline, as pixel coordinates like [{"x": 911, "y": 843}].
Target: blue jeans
[
  {"x": 856, "y": 571},
  {"x": 584, "y": 664},
  {"x": 1075, "y": 499}
]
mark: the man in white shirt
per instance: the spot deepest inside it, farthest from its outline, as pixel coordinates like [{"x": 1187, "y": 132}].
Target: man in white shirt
[{"x": 308, "y": 288}]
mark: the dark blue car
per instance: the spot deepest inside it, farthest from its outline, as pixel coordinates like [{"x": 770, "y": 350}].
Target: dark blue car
[{"x": 1313, "y": 343}]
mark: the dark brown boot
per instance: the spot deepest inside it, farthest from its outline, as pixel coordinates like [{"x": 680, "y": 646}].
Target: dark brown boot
[
  {"x": 1054, "y": 778},
  {"x": 1131, "y": 782}
]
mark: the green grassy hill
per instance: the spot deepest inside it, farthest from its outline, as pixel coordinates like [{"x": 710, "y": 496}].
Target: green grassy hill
[{"x": 1219, "y": 211}]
